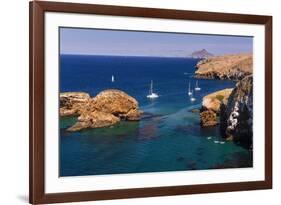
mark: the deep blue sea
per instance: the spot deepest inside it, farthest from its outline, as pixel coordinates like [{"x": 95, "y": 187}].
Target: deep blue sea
[{"x": 170, "y": 140}]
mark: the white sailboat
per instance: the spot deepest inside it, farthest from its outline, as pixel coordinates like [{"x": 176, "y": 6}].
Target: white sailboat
[
  {"x": 151, "y": 94},
  {"x": 197, "y": 88},
  {"x": 112, "y": 79},
  {"x": 189, "y": 91},
  {"x": 192, "y": 99}
]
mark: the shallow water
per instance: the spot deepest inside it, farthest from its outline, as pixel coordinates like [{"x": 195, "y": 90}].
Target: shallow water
[{"x": 170, "y": 139}]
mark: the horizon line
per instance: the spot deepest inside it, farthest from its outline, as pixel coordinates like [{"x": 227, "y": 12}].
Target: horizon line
[{"x": 160, "y": 56}]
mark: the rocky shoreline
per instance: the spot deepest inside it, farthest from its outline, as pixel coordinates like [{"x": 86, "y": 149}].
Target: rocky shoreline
[
  {"x": 105, "y": 109},
  {"x": 229, "y": 67},
  {"x": 232, "y": 110}
]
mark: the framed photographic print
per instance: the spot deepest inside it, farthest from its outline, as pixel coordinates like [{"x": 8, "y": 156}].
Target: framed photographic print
[{"x": 139, "y": 102}]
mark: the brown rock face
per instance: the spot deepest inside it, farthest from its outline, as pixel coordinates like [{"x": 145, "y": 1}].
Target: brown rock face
[
  {"x": 211, "y": 107},
  {"x": 208, "y": 118},
  {"x": 106, "y": 109},
  {"x": 117, "y": 103},
  {"x": 214, "y": 100},
  {"x": 233, "y": 67}
]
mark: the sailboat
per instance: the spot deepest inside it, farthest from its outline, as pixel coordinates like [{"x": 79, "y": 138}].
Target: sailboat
[
  {"x": 151, "y": 94},
  {"x": 112, "y": 79},
  {"x": 191, "y": 97},
  {"x": 189, "y": 91},
  {"x": 197, "y": 87}
]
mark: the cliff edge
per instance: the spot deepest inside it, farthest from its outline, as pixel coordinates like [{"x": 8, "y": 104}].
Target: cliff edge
[{"x": 232, "y": 109}]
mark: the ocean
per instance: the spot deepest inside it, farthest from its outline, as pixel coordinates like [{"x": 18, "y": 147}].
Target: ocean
[{"x": 171, "y": 139}]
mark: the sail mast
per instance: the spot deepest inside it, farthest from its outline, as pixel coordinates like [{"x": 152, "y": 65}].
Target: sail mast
[
  {"x": 151, "y": 93},
  {"x": 197, "y": 88},
  {"x": 151, "y": 87}
]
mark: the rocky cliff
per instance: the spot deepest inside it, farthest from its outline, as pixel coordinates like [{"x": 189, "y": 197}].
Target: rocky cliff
[
  {"x": 233, "y": 110},
  {"x": 233, "y": 67},
  {"x": 236, "y": 121},
  {"x": 105, "y": 109}
]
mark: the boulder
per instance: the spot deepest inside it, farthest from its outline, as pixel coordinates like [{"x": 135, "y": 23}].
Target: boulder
[{"x": 208, "y": 118}]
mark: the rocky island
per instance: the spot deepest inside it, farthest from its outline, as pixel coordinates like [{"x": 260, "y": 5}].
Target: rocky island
[
  {"x": 105, "y": 109},
  {"x": 231, "y": 67},
  {"x": 201, "y": 54}
]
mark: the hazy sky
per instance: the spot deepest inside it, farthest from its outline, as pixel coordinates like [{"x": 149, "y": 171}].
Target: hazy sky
[{"x": 130, "y": 43}]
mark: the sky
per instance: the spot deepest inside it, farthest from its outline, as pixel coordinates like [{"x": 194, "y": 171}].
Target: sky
[{"x": 137, "y": 43}]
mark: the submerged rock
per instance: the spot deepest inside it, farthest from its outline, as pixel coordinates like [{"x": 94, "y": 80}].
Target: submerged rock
[
  {"x": 237, "y": 114},
  {"x": 194, "y": 110},
  {"x": 106, "y": 109},
  {"x": 94, "y": 119}
]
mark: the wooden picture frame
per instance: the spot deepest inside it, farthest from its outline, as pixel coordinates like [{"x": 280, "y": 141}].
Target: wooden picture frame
[{"x": 38, "y": 9}]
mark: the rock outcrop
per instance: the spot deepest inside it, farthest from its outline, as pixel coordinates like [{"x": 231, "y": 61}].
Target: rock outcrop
[
  {"x": 208, "y": 118},
  {"x": 71, "y": 103},
  {"x": 117, "y": 103},
  {"x": 214, "y": 100},
  {"x": 211, "y": 105},
  {"x": 232, "y": 67},
  {"x": 105, "y": 109},
  {"x": 236, "y": 121}
]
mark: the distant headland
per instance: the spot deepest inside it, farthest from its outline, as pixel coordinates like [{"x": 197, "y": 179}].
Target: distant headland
[{"x": 231, "y": 67}]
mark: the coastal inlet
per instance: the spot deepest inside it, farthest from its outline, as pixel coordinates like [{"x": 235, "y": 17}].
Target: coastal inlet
[{"x": 111, "y": 126}]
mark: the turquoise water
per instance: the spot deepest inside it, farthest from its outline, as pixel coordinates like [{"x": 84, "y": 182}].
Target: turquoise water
[{"x": 168, "y": 138}]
